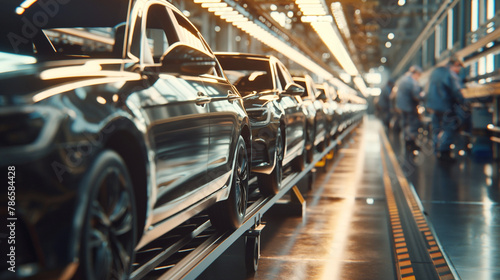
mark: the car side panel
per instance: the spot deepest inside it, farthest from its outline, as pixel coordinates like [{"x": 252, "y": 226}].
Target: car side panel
[
  {"x": 179, "y": 133},
  {"x": 226, "y": 117}
]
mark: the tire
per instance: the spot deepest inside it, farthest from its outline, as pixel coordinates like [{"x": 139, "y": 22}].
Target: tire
[
  {"x": 310, "y": 144},
  {"x": 321, "y": 146},
  {"x": 109, "y": 230},
  {"x": 229, "y": 214},
  {"x": 271, "y": 184}
]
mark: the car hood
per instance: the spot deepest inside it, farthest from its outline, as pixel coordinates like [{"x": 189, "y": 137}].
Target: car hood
[{"x": 24, "y": 79}]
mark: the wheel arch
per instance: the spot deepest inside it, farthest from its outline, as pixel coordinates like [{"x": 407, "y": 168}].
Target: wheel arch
[
  {"x": 125, "y": 141},
  {"x": 246, "y": 133}
]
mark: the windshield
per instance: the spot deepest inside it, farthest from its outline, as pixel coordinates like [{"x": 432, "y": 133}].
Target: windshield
[
  {"x": 72, "y": 29},
  {"x": 247, "y": 75}
]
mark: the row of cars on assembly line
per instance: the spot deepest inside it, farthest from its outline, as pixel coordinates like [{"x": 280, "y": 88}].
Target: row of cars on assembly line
[{"x": 118, "y": 123}]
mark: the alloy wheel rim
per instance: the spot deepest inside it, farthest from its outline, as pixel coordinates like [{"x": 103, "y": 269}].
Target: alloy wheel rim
[
  {"x": 110, "y": 228},
  {"x": 279, "y": 158},
  {"x": 241, "y": 182}
]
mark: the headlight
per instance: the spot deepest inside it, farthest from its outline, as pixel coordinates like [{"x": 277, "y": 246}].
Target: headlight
[
  {"x": 24, "y": 126},
  {"x": 258, "y": 115},
  {"x": 20, "y": 128}
]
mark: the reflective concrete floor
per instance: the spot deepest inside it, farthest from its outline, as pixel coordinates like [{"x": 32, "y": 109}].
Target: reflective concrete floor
[
  {"x": 345, "y": 233},
  {"x": 462, "y": 201}
]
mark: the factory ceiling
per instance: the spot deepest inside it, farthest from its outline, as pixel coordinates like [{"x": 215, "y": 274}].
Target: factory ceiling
[{"x": 378, "y": 32}]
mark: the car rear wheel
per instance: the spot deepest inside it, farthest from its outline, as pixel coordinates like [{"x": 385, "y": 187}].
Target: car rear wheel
[
  {"x": 109, "y": 229},
  {"x": 229, "y": 214},
  {"x": 271, "y": 184},
  {"x": 311, "y": 136}
]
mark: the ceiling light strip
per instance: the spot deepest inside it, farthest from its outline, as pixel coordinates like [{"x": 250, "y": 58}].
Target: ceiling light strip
[
  {"x": 260, "y": 32},
  {"x": 329, "y": 36},
  {"x": 338, "y": 14}
]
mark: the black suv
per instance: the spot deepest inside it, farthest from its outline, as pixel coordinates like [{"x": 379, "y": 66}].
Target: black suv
[
  {"x": 317, "y": 117},
  {"x": 277, "y": 119},
  {"x": 116, "y": 125}
]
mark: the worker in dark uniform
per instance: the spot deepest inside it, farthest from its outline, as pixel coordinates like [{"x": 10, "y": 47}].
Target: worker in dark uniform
[
  {"x": 384, "y": 103},
  {"x": 408, "y": 96},
  {"x": 443, "y": 100}
]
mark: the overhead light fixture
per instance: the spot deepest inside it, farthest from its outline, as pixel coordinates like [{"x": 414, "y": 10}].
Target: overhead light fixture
[
  {"x": 224, "y": 14},
  {"x": 207, "y": 1},
  {"x": 214, "y": 5},
  {"x": 329, "y": 35},
  {"x": 339, "y": 16},
  {"x": 312, "y": 7},
  {"x": 316, "y": 19},
  {"x": 323, "y": 25},
  {"x": 332, "y": 40},
  {"x": 257, "y": 30},
  {"x": 24, "y": 5},
  {"x": 220, "y": 9}
]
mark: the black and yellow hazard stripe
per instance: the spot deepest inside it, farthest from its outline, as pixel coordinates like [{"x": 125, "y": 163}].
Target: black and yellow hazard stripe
[
  {"x": 404, "y": 267},
  {"x": 441, "y": 266}
]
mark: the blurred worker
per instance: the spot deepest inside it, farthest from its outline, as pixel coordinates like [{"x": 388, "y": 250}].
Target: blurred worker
[
  {"x": 408, "y": 96},
  {"x": 384, "y": 103},
  {"x": 443, "y": 100}
]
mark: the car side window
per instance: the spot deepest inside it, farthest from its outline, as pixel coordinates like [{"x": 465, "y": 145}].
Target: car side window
[
  {"x": 160, "y": 33},
  {"x": 153, "y": 36},
  {"x": 280, "y": 79},
  {"x": 190, "y": 36},
  {"x": 187, "y": 34},
  {"x": 287, "y": 78}
]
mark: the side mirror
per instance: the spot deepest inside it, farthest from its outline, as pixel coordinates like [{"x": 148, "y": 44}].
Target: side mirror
[
  {"x": 294, "y": 89},
  {"x": 320, "y": 95},
  {"x": 184, "y": 59}
]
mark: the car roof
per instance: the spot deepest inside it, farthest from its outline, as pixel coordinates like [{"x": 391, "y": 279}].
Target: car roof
[{"x": 244, "y": 55}]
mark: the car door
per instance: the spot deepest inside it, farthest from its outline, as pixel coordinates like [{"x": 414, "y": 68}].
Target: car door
[
  {"x": 177, "y": 107},
  {"x": 295, "y": 118},
  {"x": 225, "y": 111}
]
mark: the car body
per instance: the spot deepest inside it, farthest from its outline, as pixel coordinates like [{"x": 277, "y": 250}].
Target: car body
[
  {"x": 276, "y": 117},
  {"x": 317, "y": 117},
  {"x": 327, "y": 94},
  {"x": 120, "y": 125},
  {"x": 352, "y": 106}
]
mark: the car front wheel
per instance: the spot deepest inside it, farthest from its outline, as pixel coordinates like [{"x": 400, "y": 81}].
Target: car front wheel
[
  {"x": 271, "y": 184},
  {"x": 229, "y": 214},
  {"x": 109, "y": 228}
]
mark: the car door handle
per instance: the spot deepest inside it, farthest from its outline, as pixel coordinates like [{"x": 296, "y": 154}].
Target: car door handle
[
  {"x": 202, "y": 99},
  {"x": 231, "y": 96}
]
